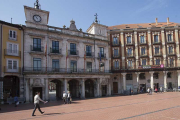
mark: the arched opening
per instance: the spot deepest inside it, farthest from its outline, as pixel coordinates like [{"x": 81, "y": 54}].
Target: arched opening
[
  {"x": 89, "y": 88},
  {"x": 55, "y": 90},
  {"x": 11, "y": 87},
  {"x": 73, "y": 87}
]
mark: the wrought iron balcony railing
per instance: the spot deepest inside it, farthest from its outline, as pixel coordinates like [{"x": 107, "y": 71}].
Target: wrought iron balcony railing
[
  {"x": 56, "y": 51},
  {"x": 73, "y": 52},
  {"x": 36, "y": 49}
]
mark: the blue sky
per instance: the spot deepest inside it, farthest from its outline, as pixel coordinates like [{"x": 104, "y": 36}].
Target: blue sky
[{"x": 111, "y": 12}]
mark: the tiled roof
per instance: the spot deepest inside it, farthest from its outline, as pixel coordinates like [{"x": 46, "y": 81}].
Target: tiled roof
[{"x": 142, "y": 25}]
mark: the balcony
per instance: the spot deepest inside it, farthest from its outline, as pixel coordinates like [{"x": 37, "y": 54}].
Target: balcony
[
  {"x": 73, "y": 53},
  {"x": 13, "y": 37},
  {"x": 157, "y": 55},
  {"x": 12, "y": 70},
  {"x": 63, "y": 70},
  {"x": 55, "y": 52},
  {"x": 116, "y": 57},
  {"x": 170, "y": 42},
  {"x": 143, "y": 55},
  {"x": 36, "y": 50},
  {"x": 156, "y": 42},
  {"x": 114, "y": 44},
  {"x": 130, "y": 44},
  {"x": 130, "y": 67},
  {"x": 171, "y": 54},
  {"x": 130, "y": 56},
  {"x": 102, "y": 56},
  {"x": 89, "y": 54},
  {"x": 142, "y": 43},
  {"x": 9, "y": 52},
  {"x": 116, "y": 68}
]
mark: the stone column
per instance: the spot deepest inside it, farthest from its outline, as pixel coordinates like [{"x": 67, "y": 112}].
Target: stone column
[
  {"x": 65, "y": 85},
  {"x": 46, "y": 89},
  {"x": 109, "y": 87},
  {"x": 31, "y": 90},
  {"x": 165, "y": 80},
  {"x": 100, "y": 88},
  {"x": 27, "y": 91},
  {"x": 119, "y": 85},
  {"x": 152, "y": 81},
  {"x": 98, "y": 91},
  {"x": 43, "y": 89},
  {"x": 178, "y": 78},
  {"x": 137, "y": 78},
  {"x": 124, "y": 81},
  {"x": 83, "y": 89}
]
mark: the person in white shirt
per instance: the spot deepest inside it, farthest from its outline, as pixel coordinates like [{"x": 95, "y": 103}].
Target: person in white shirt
[
  {"x": 36, "y": 103},
  {"x": 69, "y": 97},
  {"x": 64, "y": 97}
]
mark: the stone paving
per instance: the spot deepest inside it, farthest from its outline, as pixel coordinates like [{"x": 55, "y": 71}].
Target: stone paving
[{"x": 164, "y": 106}]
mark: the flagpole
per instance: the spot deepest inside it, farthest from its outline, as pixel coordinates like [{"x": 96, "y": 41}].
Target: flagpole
[
  {"x": 84, "y": 58},
  {"x": 66, "y": 57},
  {"x": 46, "y": 56}
]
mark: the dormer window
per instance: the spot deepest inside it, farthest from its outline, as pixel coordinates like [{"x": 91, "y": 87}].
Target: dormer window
[
  {"x": 142, "y": 39},
  {"x": 156, "y": 38},
  {"x": 128, "y": 39},
  {"x": 169, "y": 38}
]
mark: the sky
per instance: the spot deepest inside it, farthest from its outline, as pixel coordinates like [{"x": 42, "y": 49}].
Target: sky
[{"x": 110, "y": 12}]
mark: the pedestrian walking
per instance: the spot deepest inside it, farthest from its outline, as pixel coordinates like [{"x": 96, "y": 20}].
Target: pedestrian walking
[
  {"x": 36, "y": 103},
  {"x": 64, "y": 97},
  {"x": 16, "y": 101},
  {"x": 156, "y": 90},
  {"x": 148, "y": 90},
  {"x": 161, "y": 90},
  {"x": 69, "y": 98}
]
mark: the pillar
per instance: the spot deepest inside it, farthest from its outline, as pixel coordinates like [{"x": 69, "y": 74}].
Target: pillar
[
  {"x": 31, "y": 90},
  {"x": 137, "y": 79},
  {"x": 65, "y": 85},
  {"x": 119, "y": 85},
  {"x": 46, "y": 89},
  {"x": 165, "y": 80},
  {"x": 178, "y": 78},
  {"x": 109, "y": 87},
  {"x": 83, "y": 89},
  {"x": 98, "y": 87},
  {"x": 43, "y": 89},
  {"x": 27, "y": 91},
  {"x": 152, "y": 81},
  {"x": 124, "y": 81}
]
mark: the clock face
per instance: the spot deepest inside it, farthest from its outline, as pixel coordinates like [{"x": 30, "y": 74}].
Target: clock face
[{"x": 37, "y": 18}]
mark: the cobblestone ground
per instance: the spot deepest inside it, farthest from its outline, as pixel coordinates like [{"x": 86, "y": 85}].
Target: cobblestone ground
[{"x": 164, "y": 106}]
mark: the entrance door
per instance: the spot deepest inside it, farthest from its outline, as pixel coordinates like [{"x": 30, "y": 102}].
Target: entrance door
[
  {"x": 89, "y": 88},
  {"x": 142, "y": 87},
  {"x": 169, "y": 85},
  {"x": 115, "y": 87},
  {"x": 37, "y": 89},
  {"x": 104, "y": 90},
  {"x": 156, "y": 85}
]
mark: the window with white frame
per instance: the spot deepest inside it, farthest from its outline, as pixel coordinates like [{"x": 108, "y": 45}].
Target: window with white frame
[
  {"x": 129, "y": 51},
  {"x": 12, "y": 65},
  {"x": 142, "y": 39},
  {"x": 12, "y": 35},
  {"x": 170, "y": 49},
  {"x": 143, "y": 51},
  {"x": 143, "y": 61},
  {"x": 116, "y": 64},
  {"x": 12, "y": 49},
  {"x": 156, "y": 38},
  {"x": 128, "y": 39},
  {"x": 169, "y": 38},
  {"x": 156, "y": 50},
  {"x": 157, "y": 61},
  {"x": 130, "y": 64}
]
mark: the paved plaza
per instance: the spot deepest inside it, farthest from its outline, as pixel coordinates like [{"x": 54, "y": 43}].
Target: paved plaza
[{"x": 164, "y": 106}]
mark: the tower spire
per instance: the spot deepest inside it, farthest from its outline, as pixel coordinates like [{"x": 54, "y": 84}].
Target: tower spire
[
  {"x": 37, "y": 5},
  {"x": 96, "y": 20}
]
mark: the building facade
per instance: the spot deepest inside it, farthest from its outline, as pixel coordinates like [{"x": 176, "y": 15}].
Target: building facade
[
  {"x": 145, "y": 56},
  {"x": 11, "y": 60},
  {"x": 71, "y": 59}
]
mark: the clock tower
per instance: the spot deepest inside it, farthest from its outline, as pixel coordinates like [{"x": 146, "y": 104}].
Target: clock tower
[{"x": 35, "y": 17}]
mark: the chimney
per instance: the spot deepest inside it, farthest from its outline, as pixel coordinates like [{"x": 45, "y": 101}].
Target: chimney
[
  {"x": 168, "y": 21},
  {"x": 156, "y": 21}
]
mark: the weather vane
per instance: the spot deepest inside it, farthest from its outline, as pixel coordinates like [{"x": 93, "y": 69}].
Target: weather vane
[
  {"x": 37, "y": 5},
  {"x": 96, "y": 21}
]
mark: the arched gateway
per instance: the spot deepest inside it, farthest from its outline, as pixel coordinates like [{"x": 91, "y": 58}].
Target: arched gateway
[{"x": 55, "y": 89}]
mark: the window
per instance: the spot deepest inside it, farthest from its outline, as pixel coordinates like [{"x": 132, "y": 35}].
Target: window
[
  {"x": 55, "y": 46},
  {"x": 157, "y": 61},
  {"x": 143, "y": 51},
  {"x": 12, "y": 35},
  {"x": 12, "y": 65},
  {"x": 88, "y": 50},
  {"x": 156, "y": 50},
  {"x": 156, "y": 75},
  {"x": 171, "y": 62},
  {"x": 156, "y": 38},
  {"x": 170, "y": 50},
  {"x": 129, "y": 52},
  {"x": 116, "y": 64},
  {"x": 142, "y": 76},
  {"x": 12, "y": 49},
  {"x": 89, "y": 66},
  {"x": 102, "y": 51},
  {"x": 169, "y": 75},
  {"x": 73, "y": 49},
  {"x": 36, "y": 44},
  {"x": 115, "y": 41},
  {"x": 128, "y": 39},
  {"x": 73, "y": 66},
  {"x": 143, "y": 61},
  {"x": 101, "y": 66},
  {"x": 37, "y": 64},
  {"x": 169, "y": 38},
  {"x": 128, "y": 76},
  {"x": 55, "y": 65},
  {"x": 142, "y": 39},
  {"x": 130, "y": 64},
  {"x": 115, "y": 52}
]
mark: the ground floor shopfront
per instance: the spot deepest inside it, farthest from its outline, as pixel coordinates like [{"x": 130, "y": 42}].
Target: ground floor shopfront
[
  {"x": 51, "y": 87},
  {"x": 140, "y": 81}
]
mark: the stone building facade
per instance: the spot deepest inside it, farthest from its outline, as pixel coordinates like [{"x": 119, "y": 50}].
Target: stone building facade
[{"x": 75, "y": 61}]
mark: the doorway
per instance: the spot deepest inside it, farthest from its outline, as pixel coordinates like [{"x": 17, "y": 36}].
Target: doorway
[
  {"x": 156, "y": 85},
  {"x": 55, "y": 90},
  {"x": 37, "y": 89},
  {"x": 143, "y": 88},
  {"x": 73, "y": 87},
  {"x": 115, "y": 87},
  {"x": 104, "y": 90},
  {"x": 89, "y": 88}
]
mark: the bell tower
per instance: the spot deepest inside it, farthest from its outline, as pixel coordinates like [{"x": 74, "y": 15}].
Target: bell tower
[{"x": 35, "y": 17}]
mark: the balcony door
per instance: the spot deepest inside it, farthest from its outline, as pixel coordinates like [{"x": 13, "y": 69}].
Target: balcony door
[
  {"x": 88, "y": 50},
  {"x": 89, "y": 67},
  {"x": 72, "y": 48},
  {"x": 55, "y": 65},
  {"x": 55, "y": 46},
  {"x": 101, "y": 51},
  {"x": 37, "y": 64},
  {"x": 36, "y": 44},
  {"x": 73, "y": 66}
]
